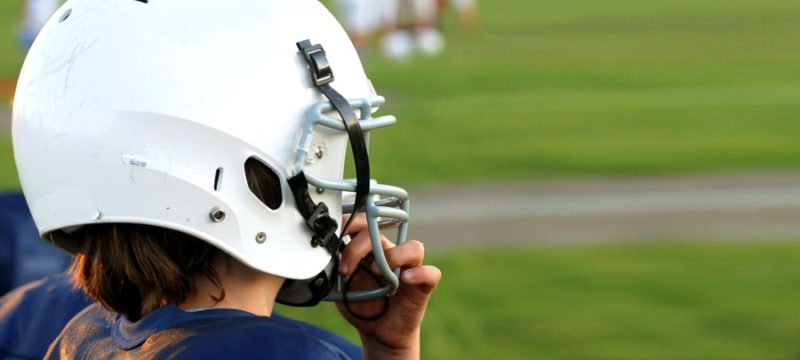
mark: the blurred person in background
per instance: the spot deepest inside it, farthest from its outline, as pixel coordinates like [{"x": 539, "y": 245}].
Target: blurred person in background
[
  {"x": 397, "y": 20},
  {"x": 429, "y": 38},
  {"x": 403, "y": 27},
  {"x": 467, "y": 13},
  {"x": 410, "y": 26},
  {"x": 429, "y": 15},
  {"x": 361, "y": 19},
  {"x": 391, "y": 22}
]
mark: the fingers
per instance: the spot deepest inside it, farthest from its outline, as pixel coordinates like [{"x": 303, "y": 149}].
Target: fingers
[
  {"x": 358, "y": 225},
  {"x": 359, "y": 247},
  {"x": 410, "y": 256},
  {"x": 407, "y": 255},
  {"x": 427, "y": 276}
]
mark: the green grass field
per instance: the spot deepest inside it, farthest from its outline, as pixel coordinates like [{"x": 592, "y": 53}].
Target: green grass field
[
  {"x": 611, "y": 87},
  {"x": 10, "y": 55},
  {"x": 668, "y": 301}
]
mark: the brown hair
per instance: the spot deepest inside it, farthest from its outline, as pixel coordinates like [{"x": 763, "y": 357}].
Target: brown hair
[{"x": 133, "y": 269}]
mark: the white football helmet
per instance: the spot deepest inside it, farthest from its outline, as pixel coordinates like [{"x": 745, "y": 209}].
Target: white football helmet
[{"x": 131, "y": 111}]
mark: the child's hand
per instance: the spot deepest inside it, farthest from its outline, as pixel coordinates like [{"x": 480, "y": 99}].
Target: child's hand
[{"x": 396, "y": 333}]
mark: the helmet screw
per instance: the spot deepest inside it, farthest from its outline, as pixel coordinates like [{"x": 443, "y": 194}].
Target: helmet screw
[
  {"x": 261, "y": 237},
  {"x": 217, "y": 214},
  {"x": 319, "y": 151},
  {"x": 320, "y": 190},
  {"x": 316, "y": 150}
]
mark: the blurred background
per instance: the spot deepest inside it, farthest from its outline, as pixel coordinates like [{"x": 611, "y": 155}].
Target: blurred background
[{"x": 612, "y": 179}]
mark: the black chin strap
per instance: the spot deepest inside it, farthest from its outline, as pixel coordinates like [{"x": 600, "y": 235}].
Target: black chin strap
[
  {"x": 317, "y": 216},
  {"x": 318, "y": 219}
]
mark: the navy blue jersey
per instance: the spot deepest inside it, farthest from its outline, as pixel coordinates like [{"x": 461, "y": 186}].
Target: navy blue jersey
[
  {"x": 32, "y": 315},
  {"x": 171, "y": 333},
  {"x": 24, "y": 257}
]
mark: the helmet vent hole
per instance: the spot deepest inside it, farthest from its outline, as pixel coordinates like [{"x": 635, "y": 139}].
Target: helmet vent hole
[
  {"x": 218, "y": 179},
  {"x": 65, "y": 15},
  {"x": 142, "y": 1},
  {"x": 264, "y": 183}
]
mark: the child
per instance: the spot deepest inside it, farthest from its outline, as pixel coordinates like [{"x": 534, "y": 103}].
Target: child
[{"x": 190, "y": 154}]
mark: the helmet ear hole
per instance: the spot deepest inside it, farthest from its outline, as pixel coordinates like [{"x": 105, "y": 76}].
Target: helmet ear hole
[{"x": 264, "y": 183}]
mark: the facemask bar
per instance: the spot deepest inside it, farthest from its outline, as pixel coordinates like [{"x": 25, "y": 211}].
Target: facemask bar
[
  {"x": 385, "y": 205},
  {"x": 317, "y": 116},
  {"x": 391, "y": 195}
]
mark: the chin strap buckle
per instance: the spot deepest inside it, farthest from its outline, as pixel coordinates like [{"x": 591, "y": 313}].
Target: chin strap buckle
[
  {"x": 324, "y": 228},
  {"x": 321, "y": 71}
]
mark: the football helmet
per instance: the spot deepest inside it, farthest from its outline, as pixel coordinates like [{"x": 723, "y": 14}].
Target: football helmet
[{"x": 145, "y": 112}]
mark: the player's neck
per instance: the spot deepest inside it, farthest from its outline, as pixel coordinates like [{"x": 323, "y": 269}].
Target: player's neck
[{"x": 245, "y": 289}]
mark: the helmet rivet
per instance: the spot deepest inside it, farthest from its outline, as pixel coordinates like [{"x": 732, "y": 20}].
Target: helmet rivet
[
  {"x": 319, "y": 151},
  {"x": 320, "y": 190},
  {"x": 261, "y": 237},
  {"x": 217, "y": 214},
  {"x": 316, "y": 150}
]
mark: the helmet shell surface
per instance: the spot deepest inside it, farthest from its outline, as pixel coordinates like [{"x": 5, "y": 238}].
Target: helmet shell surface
[{"x": 145, "y": 113}]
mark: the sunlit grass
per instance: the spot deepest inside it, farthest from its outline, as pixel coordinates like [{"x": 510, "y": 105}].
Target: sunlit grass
[{"x": 666, "y": 301}]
